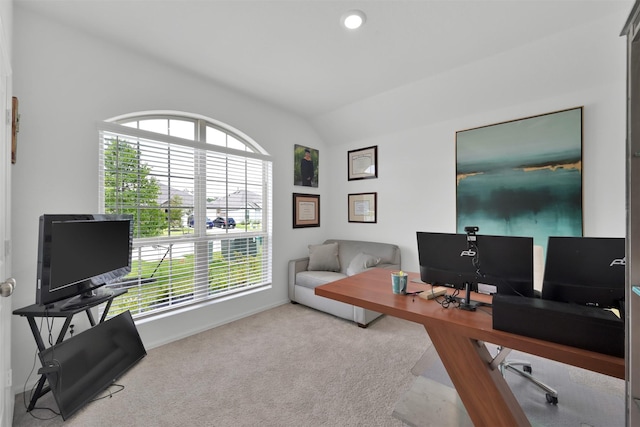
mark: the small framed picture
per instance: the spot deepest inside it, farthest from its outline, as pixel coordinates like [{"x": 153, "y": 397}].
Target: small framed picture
[
  {"x": 363, "y": 163},
  {"x": 305, "y": 166},
  {"x": 363, "y": 207},
  {"x": 306, "y": 210}
]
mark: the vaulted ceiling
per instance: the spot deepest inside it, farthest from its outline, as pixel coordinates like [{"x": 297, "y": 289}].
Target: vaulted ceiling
[{"x": 296, "y": 55}]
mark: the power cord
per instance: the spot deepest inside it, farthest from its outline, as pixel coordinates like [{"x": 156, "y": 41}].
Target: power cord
[
  {"x": 109, "y": 392},
  {"x": 449, "y": 300}
]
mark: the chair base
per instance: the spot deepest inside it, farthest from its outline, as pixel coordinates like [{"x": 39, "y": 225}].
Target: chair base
[{"x": 525, "y": 372}]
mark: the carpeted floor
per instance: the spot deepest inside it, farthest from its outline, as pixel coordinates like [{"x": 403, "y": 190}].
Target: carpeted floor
[
  {"x": 294, "y": 366},
  {"x": 585, "y": 398},
  {"x": 288, "y": 366}
]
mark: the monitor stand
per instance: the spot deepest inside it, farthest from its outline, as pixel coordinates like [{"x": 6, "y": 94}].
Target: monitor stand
[
  {"x": 87, "y": 299},
  {"x": 466, "y": 303}
]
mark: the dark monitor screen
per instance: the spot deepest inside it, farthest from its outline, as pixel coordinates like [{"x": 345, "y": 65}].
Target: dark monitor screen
[
  {"x": 88, "y": 250},
  {"x": 585, "y": 270},
  {"x": 504, "y": 263},
  {"x": 444, "y": 259},
  {"x": 78, "y": 253},
  {"x": 80, "y": 367}
]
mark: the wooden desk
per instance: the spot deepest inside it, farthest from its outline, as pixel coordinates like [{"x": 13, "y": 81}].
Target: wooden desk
[{"x": 458, "y": 336}]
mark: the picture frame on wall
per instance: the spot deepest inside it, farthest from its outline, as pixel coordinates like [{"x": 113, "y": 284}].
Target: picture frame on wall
[
  {"x": 363, "y": 207},
  {"x": 363, "y": 163},
  {"x": 305, "y": 166},
  {"x": 306, "y": 210},
  {"x": 15, "y": 128},
  {"x": 522, "y": 177}
]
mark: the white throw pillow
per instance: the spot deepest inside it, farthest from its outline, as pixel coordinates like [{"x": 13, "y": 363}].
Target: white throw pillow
[
  {"x": 324, "y": 257},
  {"x": 361, "y": 262}
]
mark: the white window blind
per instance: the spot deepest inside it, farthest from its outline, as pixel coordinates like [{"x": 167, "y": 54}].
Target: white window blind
[{"x": 201, "y": 200}]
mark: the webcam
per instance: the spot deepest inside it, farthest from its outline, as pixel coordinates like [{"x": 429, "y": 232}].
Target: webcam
[{"x": 471, "y": 229}]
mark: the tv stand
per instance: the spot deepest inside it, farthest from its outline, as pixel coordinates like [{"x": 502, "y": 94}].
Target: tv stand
[
  {"x": 31, "y": 312},
  {"x": 91, "y": 298}
]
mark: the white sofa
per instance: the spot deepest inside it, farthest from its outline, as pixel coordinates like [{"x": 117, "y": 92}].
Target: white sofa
[{"x": 334, "y": 260}]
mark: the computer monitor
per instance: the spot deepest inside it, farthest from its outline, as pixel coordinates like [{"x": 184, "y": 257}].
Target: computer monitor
[
  {"x": 81, "y": 367},
  {"x": 79, "y": 253},
  {"x": 506, "y": 264},
  {"x": 445, "y": 260},
  {"x": 503, "y": 263},
  {"x": 585, "y": 270}
]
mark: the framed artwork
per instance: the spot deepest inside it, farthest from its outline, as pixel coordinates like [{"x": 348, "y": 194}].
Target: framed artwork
[
  {"x": 522, "y": 177},
  {"x": 305, "y": 166},
  {"x": 306, "y": 210},
  {"x": 363, "y": 207},
  {"x": 15, "y": 128},
  {"x": 363, "y": 163}
]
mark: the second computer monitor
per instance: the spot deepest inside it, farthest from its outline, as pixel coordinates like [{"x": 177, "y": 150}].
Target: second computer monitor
[
  {"x": 585, "y": 270},
  {"x": 505, "y": 263}
]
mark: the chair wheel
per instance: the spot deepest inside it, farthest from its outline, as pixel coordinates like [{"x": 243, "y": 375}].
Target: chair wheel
[
  {"x": 553, "y": 400},
  {"x": 527, "y": 369}
]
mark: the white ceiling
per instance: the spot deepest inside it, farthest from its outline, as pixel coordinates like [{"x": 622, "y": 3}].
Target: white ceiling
[{"x": 295, "y": 54}]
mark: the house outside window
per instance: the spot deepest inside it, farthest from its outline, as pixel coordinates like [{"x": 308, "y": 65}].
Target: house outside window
[{"x": 200, "y": 195}]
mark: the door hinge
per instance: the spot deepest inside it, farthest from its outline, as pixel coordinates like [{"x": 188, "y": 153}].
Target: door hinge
[{"x": 9, "y": 379}]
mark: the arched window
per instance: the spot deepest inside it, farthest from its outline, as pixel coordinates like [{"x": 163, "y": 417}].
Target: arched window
[{"x": 200, "y": 195}]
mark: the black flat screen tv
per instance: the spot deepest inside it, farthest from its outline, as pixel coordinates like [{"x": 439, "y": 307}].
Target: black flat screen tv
[
  {"x": 504, "y": 263},
  {"x": 79, "y": 253},
  {"x": 79, "y": 368},
  {"x": 586, "y": 271}
]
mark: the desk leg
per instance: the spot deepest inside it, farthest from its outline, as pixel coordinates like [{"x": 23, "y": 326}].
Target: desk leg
[
  {"x": 63, "y": 330},
  {"x": 484, "y": 392},
  {"x": 106, "y": 310},
  {"x": 40, "y": 391},
  {"x": 36, "y": 333}
]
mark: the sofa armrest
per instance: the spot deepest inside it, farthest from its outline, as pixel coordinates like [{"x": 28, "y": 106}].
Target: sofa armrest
[{"x": 295, "y": 267}]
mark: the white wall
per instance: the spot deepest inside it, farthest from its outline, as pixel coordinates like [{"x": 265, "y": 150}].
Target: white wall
[
  {"x": 66, "y": 83},
  {"x": 6, "y": 14},
  {"x": 416, "y": 179}
]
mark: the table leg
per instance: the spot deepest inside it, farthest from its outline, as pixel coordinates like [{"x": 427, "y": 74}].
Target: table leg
[
  {"x": 36, "y": 333},
  {"x": 40, "y": 391},
  {"x": 484, "y": 392}
]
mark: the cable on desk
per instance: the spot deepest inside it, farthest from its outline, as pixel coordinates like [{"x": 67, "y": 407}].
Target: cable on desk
[
  {"x": 449, "y": 300},
  {"x": 49, "y": 326}
]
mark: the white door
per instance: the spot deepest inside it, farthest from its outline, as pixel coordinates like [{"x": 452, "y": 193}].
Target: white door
[{"x": 6, "y": 394}]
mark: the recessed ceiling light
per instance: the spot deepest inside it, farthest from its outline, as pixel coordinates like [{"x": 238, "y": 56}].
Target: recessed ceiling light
[{"x": 353, "y": 19}]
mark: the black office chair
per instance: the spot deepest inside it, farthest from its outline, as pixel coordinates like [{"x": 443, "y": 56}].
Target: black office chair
[
  {"x": 581, "y": 271},
  {"x": 523, "y": 367}
]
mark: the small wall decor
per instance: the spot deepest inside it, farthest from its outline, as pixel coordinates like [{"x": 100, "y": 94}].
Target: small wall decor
[
  {"x": 305, "y": 166},
  {"x": 306, "y": 210},
  {"x": 523, "y": 177},
  {"x": 363, "y": 207},
  {"x": 363, "y": 163}
]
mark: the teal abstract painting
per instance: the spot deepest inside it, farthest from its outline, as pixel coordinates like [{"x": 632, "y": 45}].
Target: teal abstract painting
[{"x": 523, "y": 177}]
